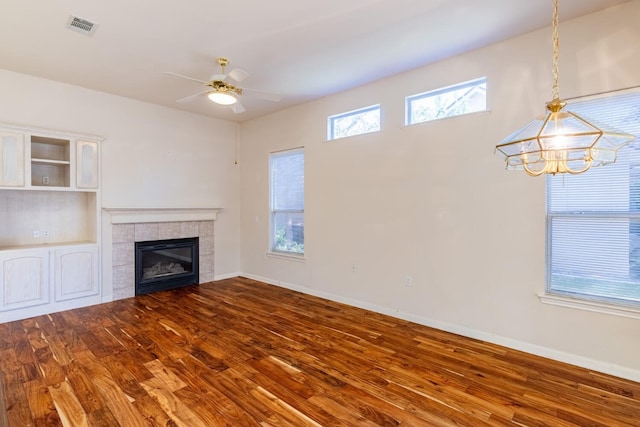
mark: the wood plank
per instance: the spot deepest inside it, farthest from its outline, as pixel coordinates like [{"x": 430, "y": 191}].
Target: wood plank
[
  {"x": 103, "y": 418},
  {"x": 68, "y": 406},
  {"x": 39, "y": 398},
  {"x": 150, "y": 409},
  {"x": 84, "y": 389},
  {"x": 118, "y": 402},
  {"x": 287, "y": 412},
  {"x": 120, "y": 406},
  {"x": 3, "y": 406},
  {"x": 206, "y": 409},
  {"x": 164, "y": 376},
  {"x": 294, "y": 392},
  {"x": 15, "y": 401},
  {"x": 179, "y": 413}
]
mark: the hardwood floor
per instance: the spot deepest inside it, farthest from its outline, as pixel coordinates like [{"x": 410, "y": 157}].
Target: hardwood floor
[{"x": 242, "y": 353}]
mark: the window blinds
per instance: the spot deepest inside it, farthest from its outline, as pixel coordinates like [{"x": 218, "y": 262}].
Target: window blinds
[{"x": 593, "y": 219}]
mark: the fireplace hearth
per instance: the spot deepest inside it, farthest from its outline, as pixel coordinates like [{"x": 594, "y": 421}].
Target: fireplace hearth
[{"x": 165, "y": 264}]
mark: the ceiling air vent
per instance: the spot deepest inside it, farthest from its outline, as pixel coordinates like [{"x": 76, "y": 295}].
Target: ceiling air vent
[{"x": 81, "y": 25}]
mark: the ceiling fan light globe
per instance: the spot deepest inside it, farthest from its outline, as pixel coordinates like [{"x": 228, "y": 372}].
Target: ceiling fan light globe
[{"x": 222, "y": 98}]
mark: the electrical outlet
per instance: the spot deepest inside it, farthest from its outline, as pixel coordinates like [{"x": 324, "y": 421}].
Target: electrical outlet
[
  {"x": 408, "y": 281},
  {"x": 353, "y": 268},
  {"x": 45, "y": 233},
  {"x": 45, "y": 180},
  {"x": 36, "y": 234}
]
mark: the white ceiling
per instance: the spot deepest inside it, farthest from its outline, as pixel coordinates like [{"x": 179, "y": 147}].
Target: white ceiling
[{"x": 300, "y": 49}]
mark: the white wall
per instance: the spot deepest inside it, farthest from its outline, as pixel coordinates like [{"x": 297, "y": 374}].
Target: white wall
[
  {"x": 433, "y": 202},
  {"x": 152, "y": 156}
]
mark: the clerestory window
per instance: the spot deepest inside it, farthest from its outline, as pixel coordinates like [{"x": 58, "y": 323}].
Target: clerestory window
[
  {"x": 450, "y": 101},
  {"x": 357, "y": 122}
]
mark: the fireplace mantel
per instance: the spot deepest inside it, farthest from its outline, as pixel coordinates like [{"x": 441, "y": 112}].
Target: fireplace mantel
[{"x": 146, "y": 215}]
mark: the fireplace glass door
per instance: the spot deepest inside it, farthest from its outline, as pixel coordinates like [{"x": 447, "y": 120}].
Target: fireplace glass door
[{"x": 166, "y": 264}]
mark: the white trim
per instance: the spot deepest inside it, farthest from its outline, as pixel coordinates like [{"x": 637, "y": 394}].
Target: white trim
[
  {"x": 573, "y": 359},
  {"x": 142, "y": 215},
  {"x": 54, "y": 133},
  {"x": 226, "y": 276},
  {"x": 597, "y": 307},
  {"x": 285, "y": 256}
]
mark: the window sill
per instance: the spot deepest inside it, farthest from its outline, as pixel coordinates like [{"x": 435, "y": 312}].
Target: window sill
[
  {"x": 597, "y": 307},
  {"x": 285, "y": 256}
]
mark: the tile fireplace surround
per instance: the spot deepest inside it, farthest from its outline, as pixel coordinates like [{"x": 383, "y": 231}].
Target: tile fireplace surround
[{"x": 139, "y": 225}]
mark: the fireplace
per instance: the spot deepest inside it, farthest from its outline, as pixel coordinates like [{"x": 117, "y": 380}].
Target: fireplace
[{"x": 165, "y": 264}]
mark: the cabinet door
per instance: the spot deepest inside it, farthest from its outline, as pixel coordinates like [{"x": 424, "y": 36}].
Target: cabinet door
[
  {"x": 11, "y": 159},
  {"x": 76, "y": 272},
  {"x": 87, "y": 164},
  {"x": 24, "y": 278}
]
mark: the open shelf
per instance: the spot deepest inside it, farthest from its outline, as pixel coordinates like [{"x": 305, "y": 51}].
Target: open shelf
[
  {"x": 50, "y": 162},
  {"x": 60, "y": 218}
]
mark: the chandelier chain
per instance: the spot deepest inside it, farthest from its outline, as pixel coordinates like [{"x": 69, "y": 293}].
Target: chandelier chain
[{"x": 556, "y": 52}]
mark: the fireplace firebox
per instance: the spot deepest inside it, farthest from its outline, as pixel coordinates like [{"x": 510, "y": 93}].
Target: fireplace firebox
[{"x": 166, "y": 264}]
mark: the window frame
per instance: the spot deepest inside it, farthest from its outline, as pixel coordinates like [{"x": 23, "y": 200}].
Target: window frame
[
  {"x": 408, "y": 101},
  {"x": 614, "y": 304},
  {"x": 273, "y": 212},
  {"x": 333, "y": 118}
]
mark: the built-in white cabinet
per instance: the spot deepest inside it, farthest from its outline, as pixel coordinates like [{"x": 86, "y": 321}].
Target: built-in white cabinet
[
  {"x": 24, "y": 278},
  {"x": 11, "y": 159},
  {"x": 87, "y": 164},
  {"x": 49, "y": 221},
  {"x": 43, "y": 280},
  {"x": 76, "y": 272},
  {"x": 44, "y": 160}
]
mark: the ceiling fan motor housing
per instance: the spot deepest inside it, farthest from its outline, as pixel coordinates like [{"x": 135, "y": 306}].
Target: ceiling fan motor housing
[{"x": 221, "y": 86}]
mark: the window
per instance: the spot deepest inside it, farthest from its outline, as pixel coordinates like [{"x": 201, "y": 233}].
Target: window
[
  {"x": 593, "y": 219},
  {"x": 364, "y": 120},
  {"x": 463, "y": 98},
  {"x": 286, "y": 177}
]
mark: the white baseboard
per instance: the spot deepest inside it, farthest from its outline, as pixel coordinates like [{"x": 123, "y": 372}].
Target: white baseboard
[
  {"x": 573, "y": 359},
  {"x": 227, "y": 276}
]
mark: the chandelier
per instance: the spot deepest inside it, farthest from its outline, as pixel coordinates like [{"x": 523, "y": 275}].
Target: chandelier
[{"x": 560, "y": 141}]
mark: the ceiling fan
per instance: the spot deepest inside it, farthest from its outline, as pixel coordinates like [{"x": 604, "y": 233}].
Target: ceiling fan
[{"x": 221, "y": 90}]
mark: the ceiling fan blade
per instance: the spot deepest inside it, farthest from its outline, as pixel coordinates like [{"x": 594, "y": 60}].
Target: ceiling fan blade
[
  {"x": 192, "y": 97},
  {"x": 182, "y": 76},
  {"x": 237, "y": 108},
  {"x": 267, "y": 96},
  {"x": 238, "y": 74}
]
